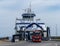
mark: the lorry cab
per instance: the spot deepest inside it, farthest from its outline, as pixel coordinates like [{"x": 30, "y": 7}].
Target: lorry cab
[{"x": 36, "y": 37}]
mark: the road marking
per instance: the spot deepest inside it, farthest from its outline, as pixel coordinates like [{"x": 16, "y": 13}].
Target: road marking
[{"x": 56, "y": 44}]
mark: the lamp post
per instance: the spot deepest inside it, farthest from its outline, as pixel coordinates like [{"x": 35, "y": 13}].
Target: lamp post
[{"x": 56, "y": 30}]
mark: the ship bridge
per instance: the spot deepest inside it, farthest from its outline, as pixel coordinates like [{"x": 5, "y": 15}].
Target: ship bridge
[{"x": 28, "y": 16}]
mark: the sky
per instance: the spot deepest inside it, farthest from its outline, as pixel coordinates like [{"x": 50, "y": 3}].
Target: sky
[{"x": 47, "y": 10}]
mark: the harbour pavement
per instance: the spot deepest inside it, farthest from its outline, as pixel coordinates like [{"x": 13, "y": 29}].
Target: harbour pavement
[{"x": 28, "y": 43}]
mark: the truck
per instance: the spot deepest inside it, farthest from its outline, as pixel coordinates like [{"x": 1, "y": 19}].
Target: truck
[{"x": 36, "y": 37}]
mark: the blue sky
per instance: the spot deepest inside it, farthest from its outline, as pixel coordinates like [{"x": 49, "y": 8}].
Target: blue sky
[{"x": 47, "y": 10}]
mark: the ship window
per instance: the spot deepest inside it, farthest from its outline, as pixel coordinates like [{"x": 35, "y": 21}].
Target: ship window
[{"x": 27, "y": 16}]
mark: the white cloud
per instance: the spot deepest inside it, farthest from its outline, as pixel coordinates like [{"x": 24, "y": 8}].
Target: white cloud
[
  {"x": 7, "y": 2},
  {"x": 45, "y": 2}
]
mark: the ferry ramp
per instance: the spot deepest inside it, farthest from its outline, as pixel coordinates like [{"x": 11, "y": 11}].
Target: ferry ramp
[{"x": 28, "y": 43}]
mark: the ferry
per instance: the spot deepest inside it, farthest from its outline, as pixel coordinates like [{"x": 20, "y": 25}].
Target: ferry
[{"x": 25, "y": 26}]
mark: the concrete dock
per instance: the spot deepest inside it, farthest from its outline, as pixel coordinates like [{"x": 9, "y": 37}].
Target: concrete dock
[{"x": 28, "y": 43}]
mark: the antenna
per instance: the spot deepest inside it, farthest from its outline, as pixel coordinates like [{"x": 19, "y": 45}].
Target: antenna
[
  {"x": 30, "y": 6},
  {"x": 28, "y": 10}
]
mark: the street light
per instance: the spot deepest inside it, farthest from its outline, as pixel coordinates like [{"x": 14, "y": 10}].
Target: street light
[{"x": 56, "y": 30}]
